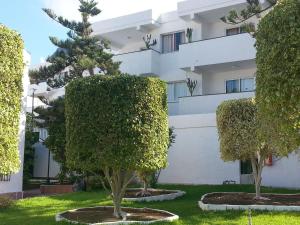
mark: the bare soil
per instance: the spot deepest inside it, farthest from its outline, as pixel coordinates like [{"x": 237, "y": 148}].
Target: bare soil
[
  {"x": 249, "y": 199},
  {"x": 105, "y": 214},
  {"x": 132, "y": 193}
]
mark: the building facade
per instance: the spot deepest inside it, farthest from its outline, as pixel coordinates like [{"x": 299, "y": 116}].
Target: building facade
[{"x": 192, "y": 42}]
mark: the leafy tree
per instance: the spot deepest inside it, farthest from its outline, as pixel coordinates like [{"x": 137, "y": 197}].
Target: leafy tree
[
  {"x": 239, "y": 136},
  {"x": 79, "y": 52},
  {"x": 118, "y": 125},
  {"x": 278, "y": 75},
  {"x": 11, "y": 70},
  {"x": 53, "y": 119}
]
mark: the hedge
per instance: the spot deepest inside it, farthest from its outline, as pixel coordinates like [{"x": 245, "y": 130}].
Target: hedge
[
  {"x": 278, "y": 75},
  {"x": 11, "y": 71},
  {"x": 118, "y": 122}
]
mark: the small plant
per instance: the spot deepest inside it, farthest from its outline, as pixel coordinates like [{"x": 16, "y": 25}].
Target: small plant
[
  {"x": 6, "y": 202},
  {"x": 189, "y": 34},
  {"x": 149, "y": 42},
  {"x": 191, "y": 85}
]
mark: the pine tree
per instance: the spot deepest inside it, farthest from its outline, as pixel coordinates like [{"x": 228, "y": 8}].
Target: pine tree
[
  {"x": 79, "y": 52},
  {"x": 254, "y": 8}
]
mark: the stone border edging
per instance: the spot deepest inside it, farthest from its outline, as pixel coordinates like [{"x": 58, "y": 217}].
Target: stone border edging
[
  {"x": 171, "y": 218},
  {"x": 163, "y": 197},
  {"x": 224, "y": 207}
]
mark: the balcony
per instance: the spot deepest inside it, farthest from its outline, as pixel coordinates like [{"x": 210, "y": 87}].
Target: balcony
[
  {"x": 145, "y": 62},
  {"x": 221, "y": 50},
  {"x": 203, "y": 104}
]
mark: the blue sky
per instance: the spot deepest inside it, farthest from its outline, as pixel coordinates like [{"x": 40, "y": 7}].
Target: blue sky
[
  {"x": 33, "y": 24},
  {"x": 27, "y": 18}
]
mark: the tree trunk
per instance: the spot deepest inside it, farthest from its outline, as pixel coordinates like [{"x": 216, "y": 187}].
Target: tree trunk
[
  {"x": 118, "y": 180},
  {"x": 257, "y": 167}
]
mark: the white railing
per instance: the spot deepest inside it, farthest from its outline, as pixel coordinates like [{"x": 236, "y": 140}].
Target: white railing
[
  {"x": 144, "y": 62},
  {"x": 205, "y": 103},
  {"x": 218, "y": 50}
]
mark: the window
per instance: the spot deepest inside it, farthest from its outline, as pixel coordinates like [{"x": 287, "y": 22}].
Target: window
[
  {"x": 240, "y": 85},
  {"x": 246, "y": 167},
  {"x": 232, "y": 86},
  {"x": 236, "y": 30},
  {"x": 247, "y": 84},
  {"x": 232, "y": 31},
  {"x": 171, "y": 42},
  {"x": 176, "y": 90}
]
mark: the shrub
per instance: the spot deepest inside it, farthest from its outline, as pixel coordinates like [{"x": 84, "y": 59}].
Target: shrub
[
  {"x": 11, "y": 71},
  {"x": 278, "y": 75},
  {"x": 239, "y": 137},
  {"x": 118, "y": 125}
]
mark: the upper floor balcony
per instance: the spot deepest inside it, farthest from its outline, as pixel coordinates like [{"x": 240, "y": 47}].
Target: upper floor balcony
[
  {"x": 146, "y": 62},
  {"x": 220, "y": 50}
]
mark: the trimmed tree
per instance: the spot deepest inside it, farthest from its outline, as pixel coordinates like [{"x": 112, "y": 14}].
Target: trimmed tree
[
  {"x": 11, "y": 70},
  {"x": 238, "y": 129},
  {"x": 278, "y": 75},
  {"x": 118, "y": 125}
]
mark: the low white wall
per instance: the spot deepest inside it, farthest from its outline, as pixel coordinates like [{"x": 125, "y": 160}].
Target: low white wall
[
  {"x": 16, "y": 182},
  {"x": 207, "y": 103},
  {"x": 194, "y": 158}
]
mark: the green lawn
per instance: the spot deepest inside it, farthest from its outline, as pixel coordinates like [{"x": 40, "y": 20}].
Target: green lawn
[{"x": 41, "y": 211}]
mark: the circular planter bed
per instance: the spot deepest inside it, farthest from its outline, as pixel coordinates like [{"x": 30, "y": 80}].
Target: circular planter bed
[
  {"x": 156, "y": 195},
  {"x": 244, "y": 201},
  {"x": 104, "y": 215}
]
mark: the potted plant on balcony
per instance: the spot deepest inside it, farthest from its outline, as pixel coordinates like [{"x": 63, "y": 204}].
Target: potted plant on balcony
[
  {"x": 148, "y": 42},
  {"x": 191, "y": 85},
  {"x": 189, "y": 34}
]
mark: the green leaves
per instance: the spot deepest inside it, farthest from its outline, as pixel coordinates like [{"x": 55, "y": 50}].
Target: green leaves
[
  {"x": 11, "y": 71},
  {"x": 278, "y": 75},
  {"x": 117, "y": 122}
]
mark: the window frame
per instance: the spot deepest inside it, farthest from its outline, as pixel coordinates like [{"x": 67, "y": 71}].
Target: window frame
[
  {"x": 240, "y": 84},
  {"x": 174, "y": 83},
  {"x": 173, "y": 41}
]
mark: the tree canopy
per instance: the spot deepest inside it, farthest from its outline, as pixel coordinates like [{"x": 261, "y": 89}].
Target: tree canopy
[
  {"x": 11, "y": 71},
  {"x": 278, "y": 75}
]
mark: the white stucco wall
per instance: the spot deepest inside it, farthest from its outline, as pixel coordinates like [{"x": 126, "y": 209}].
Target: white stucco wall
[
  {"x": 16, "y": 182},
  {"x": 194, "y": 158},
  {"x": 283, "y": 173}
]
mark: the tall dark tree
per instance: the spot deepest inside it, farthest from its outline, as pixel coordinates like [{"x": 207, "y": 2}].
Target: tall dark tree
[{"x": 80, "y": 52}]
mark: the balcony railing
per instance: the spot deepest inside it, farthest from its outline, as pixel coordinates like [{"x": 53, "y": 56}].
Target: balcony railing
[
  {"x": 145, "y": 62},
  {"x": 203, "y": 104}
]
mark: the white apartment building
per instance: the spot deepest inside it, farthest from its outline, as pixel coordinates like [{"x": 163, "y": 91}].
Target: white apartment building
[{"x": 221, "y": 58}]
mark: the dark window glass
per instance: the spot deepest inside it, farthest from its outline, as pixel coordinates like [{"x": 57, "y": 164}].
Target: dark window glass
[
  {"x": 246, "y": 167},
  {"x": 232, "y": 86}
]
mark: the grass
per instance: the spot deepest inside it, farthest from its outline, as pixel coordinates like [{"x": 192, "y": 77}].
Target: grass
[{"x": 42, "y": 210}]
